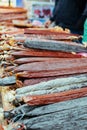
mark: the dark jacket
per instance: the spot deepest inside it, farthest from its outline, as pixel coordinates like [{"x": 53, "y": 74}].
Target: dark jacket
[{"x": 70, "y": 13}]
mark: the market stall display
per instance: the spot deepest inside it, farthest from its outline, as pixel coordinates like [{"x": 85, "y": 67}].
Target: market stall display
[{"x": 43, "y": 80}]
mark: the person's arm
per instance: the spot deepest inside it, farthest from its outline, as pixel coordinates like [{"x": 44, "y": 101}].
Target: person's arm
[
  {"x": 52, "y": 18},
  {"x": 85, "y": 10},
  {"x": 82, "y": 19}
]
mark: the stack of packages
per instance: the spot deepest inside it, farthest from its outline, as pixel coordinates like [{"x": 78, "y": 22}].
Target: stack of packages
[
  {"x": 46, "y": 81},
  {"x": 7, "y": 17},
  {"x": 7, "y": 14}
]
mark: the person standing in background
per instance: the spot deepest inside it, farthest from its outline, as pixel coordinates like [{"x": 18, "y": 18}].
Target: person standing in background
[{"x": 69, "y": 14}]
